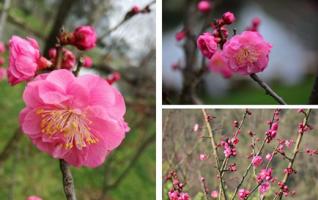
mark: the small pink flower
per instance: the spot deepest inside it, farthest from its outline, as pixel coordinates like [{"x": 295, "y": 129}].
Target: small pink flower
[
  {"x": 173, "y": 195},
  {"x": 69, "y": 59},
  {"x": 207, "y": 45},
  {"x": 180, "y": 35},
  {"x": 114, "y": 77},
  {"x": 184, "y": 196},
  {"x": 264, "y": 175},
  {"x": 23, "y": 61},
  {"x": 204, "y": 6},
  {"x": 247, "y": 53},
  {"x": 78, "y": 119},
  {"x": 135, "y": 9},
  {"x": 264, "y": 187},
  {"x": 3, "y": 73},
  {"x": 257, "y": 161},
  {"x": 84, "y": 37},
  {"x": 87, "y": 62},
  {"x": 52, "y": 53},
  {"x": 196, "y": 128},
  {"x": 34, "y": 198},
  {"x": 243, "y": 194},
  {"x": 228, "y": 17},
  {"x": 269, "y": 156},
  {"x": 203, "y": 157},
  {"x": 2, "y": 47},
  {"x": 218, "y": 64},
  {"x": 214, "y": 194}
]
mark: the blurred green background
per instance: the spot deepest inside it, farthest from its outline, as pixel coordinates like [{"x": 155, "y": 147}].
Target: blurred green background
[
  {"x": 129, "y": 172},
  {"x": 182, "y": 147}
]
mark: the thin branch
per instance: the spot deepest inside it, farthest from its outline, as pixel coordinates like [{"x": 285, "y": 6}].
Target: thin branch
[
  {"x": 214, "y": 147},
  {"x": 4, "y": 16},
  {"x": 295, "y": 152},
  {"x": 269, "y": 91},
  {"x": 313, "y": 99},
  {"x": 68, "y": 183}
]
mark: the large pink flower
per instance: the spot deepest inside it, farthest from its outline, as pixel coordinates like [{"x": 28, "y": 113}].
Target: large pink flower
[
  {"x": 78, "y": 119},
  {"x": 24, "y": 56},
  {"x": 219, "y": 64},
  {"x": 247, "y": 53}
]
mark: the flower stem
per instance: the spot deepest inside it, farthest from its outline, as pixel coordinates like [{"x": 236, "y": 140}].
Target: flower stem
[
  {"x": 269, "y": 90},
  {"x": 68, "y": 182}
]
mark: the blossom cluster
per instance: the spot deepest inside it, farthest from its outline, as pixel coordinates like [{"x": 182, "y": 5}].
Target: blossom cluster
[
  {"x": 76, "y": 118},
  {"x": 176, "y": 191},
  {"x": 246, "y": 53}
]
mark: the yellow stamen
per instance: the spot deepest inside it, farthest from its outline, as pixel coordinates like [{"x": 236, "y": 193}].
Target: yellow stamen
[{"x": 72, "y": 124}]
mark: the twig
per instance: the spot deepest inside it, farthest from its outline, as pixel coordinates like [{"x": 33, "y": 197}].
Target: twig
[
  {"x": 214, "y": 147},
  {"x": 11, "y": 145},
  {"x": 295, "y": 152},
  {"x": 4, "y": 16},
  {"x": 203, "y": 186},
  {"x": 68, "y": 182},
  {"x": 269, "y": 91}
]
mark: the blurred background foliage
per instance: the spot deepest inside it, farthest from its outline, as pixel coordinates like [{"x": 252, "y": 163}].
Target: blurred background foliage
[
  {"x": 129, "y": 172},
  {"x": 289, "y": 25},
  {"x": 182, "y": 147}
]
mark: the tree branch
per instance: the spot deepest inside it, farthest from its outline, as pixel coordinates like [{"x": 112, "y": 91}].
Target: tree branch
[
  {"x": 269, "y": 91},
  {"x": 4, "y": 16},
  {"x": 68, "y": 183},
  {"x": 11, "y": 145}
]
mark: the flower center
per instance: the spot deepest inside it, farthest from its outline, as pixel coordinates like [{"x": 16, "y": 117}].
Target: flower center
[
  {"x": 245, "y": 55},
  {"x": 71, "y": 123}
]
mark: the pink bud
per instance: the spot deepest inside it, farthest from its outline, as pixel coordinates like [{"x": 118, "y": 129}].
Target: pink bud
[
  {"x": 269, "y": 156},
  {"x": 228, "y": 17},
  {"x": 180, "y": 35},
  {"x": 84, "y": 37},
  {"x": 204, "y": 6},
  {"x": 112, "y": 78},
  {"x": 135, "y": 9},
  {"x": 203, "y": 157},
  {"x": 257, "y": 161},
  {"x": 52, "y": 53},
  {"x": 87, "y": 62},
  {"x": 214, "y": 194},
  {"x": 68, "y": 61}
]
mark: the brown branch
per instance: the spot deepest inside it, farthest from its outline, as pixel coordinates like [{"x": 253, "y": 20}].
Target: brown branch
[
  {"x": 216, "y": 157},
  {"x": 269, "y": 91},
  {"x": 68, "y": 183},
  {"x": 11, "y": 146},
  {"x": 4, "y": 16},
  {"x": 295, "y": 152}
]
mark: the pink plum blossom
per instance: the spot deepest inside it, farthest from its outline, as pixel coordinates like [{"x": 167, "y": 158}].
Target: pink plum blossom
[
  {"x": 264, "y": 187},
  {"x": 180, "y": 35},
  {"x": 243, "y": 194},
  {"x": 228, "y": 17},
  {"x": 207, "y": 44},
  {"x": 203, "y": 157},
  {"x": 214, "y": 194},
  {"x": 69, "y": 59},
  {"x": 269, "y": 156},
  {"x": 23, "y": 61},
  {"x": 84, "y": 37},
  {"x": 184, "y": 196},
  {"x": 247, "y": 53},
  {"x": 257, "y": 161},
  {"x": 78, "y": 119},
  {"x": 264, "y": 175},
  {"x": 218, "y": 64},
  {"x": 204, "y": 6},
  {"x": 34, "y": 198},
  {"x": 87, "y": 62}
]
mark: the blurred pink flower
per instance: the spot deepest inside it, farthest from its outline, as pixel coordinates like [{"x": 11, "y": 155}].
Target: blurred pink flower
[
  {"x": 180, "y": 35},
  {"x": 243, "y": 194},
  {"x": 269, "y": 156},
  {"x": 69, "y": 59},
  {"x": 204, "y": 6},
  {"x": 218, "y": 64},
  {"x": 228, "y": 17},
  {"x": 264, "y": 187},
  {"x": 84, "y": 37},
  {"x": 3, "y": 73},
  {"x": 87, "y": 62},
  {"x": 78, "y": 119},
  {"x": 257, "y": 161},
  {"x": 2, "y": 61},
  {"x": 203, "y": 157},
  {"x": 34, "y": 198},
  {"x": 264, "y": 175},
  {"x": 214, "y": 194},
  {"x": 2, "y": 47},
  {"x": 207, "y": 44},
  {"x": 184, "y": 196},
  {"x": 247, "y": 53},
  {"x": 135, "y": 9},
  {"x": 24, "y": 55}
]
